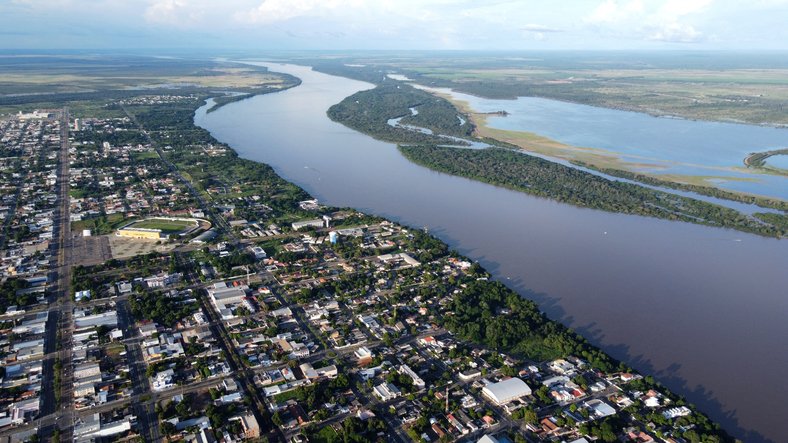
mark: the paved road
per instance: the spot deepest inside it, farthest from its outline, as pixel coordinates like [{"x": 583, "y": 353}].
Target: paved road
[
  {"x": 147, "y": 419},
  {"x": 59, "y": 325}
]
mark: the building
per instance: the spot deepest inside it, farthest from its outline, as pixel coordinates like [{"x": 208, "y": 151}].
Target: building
[
  {"x": 143, "y": 233},
  {"x": 249, "y": 425},
  {"x": 386, "y": 391},
  {"x": 259, "y": 253},
  {"x": 297, "y": 226},
  {"x": 600, "y": 409},
  {"x": 225, "y": 298},
  {"x": 507, "y": 390},
  {"x": 364, "y": 356},
  {"x": 205, "y": 237},
  {"x": 417, "y": 381},
  {"x": 91, "y": 428}
]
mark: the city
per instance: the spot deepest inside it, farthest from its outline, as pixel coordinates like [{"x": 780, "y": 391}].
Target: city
[{"x": 158, "y": 288}]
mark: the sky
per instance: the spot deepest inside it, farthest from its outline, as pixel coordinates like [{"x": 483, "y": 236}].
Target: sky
[{"x": 395, "y": 24}]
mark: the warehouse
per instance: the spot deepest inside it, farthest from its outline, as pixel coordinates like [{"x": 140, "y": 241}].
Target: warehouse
[{"x": 505, "y": 391}]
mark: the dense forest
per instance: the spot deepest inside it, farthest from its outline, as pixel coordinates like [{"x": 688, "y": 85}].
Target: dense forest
[
  {"x": 491, "y": 314},
  {"x": 369, "y": 112},
  {"x": 543, "y": 178}
]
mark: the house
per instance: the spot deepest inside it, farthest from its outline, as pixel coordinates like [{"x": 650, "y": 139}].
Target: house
[
  {"x": 364, "y": 356},
  {"x": 249, "y": 425},
  {"x": 147, "y": 329},
  {"x": 259, "y": 253}
]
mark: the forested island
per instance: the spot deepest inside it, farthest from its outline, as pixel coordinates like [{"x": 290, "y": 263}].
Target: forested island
[
  {"x": 369, "y": 112},
  {"x": 543, "y": 178}
]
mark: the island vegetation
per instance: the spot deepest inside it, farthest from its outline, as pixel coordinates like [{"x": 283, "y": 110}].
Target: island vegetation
[
  {"x": 543, "y": 178},
  {"x": 370, "y": 111},
  {"x": 765, "y": 202}
]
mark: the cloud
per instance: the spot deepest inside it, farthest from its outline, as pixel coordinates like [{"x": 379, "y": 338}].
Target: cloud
[
  {"x": 676, "y": 33},
  {"x": 531, "y": 27},
  {"x": 179, "y": 13},
  {"x": 398, "y": 24},
  {"x": 615, "y": 11},
  {"x": 272, "y": 11},
  {"x": 657, "y": 20}
]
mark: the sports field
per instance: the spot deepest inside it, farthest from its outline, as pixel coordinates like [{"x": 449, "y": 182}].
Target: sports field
[{"x": 164, "y": 225}]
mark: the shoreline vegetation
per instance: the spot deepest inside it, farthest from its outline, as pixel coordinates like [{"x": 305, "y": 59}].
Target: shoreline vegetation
[
  {"x": 535, "y": 176},
  {"x": 597, "y": 159},
  {"x": 709, "y": 191},
  {"x": 369, "y": 111}
]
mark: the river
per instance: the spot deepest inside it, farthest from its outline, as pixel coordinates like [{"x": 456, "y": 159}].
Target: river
[{"x": 703, "y": 309}]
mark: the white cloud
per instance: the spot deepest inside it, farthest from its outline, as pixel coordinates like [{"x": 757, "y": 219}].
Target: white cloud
[
  {"x": 660, "y": 20},
  {"x": 615, "y": 11},
  {"x": 179, "y": 13},
  {"x": 272, "y": 11},
  {"x": 532, "y": 27},
  {"x": 394, "y": 24},
  {"x": 676, "y": 33}
]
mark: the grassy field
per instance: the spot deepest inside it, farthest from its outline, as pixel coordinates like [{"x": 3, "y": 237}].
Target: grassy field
[
  {"x": 145, "y": 155},
  {"x": 99, "y": 225},
  {"x": 70, "y": 74},
  {"x": 87, "y": 83},
  {"x": 166, "y": 226},
  {"x": 744, "y": 95}
]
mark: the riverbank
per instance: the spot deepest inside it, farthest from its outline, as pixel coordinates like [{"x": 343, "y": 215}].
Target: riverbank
[
  {"x": 288, "y": 81},
  {"x": 543, "y": 178}
]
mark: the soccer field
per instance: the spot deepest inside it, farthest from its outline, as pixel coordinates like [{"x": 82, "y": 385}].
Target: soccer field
[{"x": 166, "y": 226}]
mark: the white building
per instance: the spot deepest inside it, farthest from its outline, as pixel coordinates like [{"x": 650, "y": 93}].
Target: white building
[
  {"x": 507, "y": 390},
  {"x": 386, "y": 391},
  {"x": 259, "y": 253},
  {"x": 417, "y": 381},
  {"x": 224, "y": 298},
  {"x": 319, "y": 223}
]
